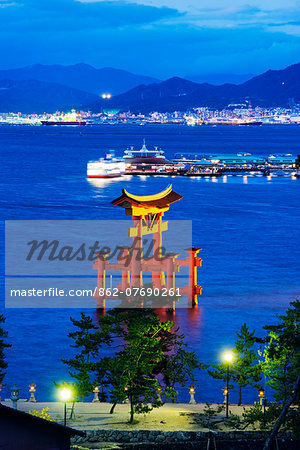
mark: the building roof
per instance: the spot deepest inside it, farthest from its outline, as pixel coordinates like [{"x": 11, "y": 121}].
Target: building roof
[
  {"x": 17, "y": 415},
  {"x": 139, "y": 205}
]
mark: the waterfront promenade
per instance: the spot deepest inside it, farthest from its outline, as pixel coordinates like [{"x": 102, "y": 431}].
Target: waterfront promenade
[
  {"x": 93, "y": 416},
  {"x": 173, "y": 426}
]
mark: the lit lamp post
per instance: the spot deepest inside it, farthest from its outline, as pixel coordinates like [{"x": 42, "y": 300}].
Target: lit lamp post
[
  {"x": 14, "y": 395},
  {"x": 96, "y": 394},
  {"x": 192, "y": 394},
  {"x": 65, "y": 395},
  {"x": 227, "y": 358},
  {"x": 32, "y": 390}
]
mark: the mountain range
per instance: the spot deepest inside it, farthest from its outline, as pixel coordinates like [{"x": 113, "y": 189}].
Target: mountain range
[
  {"x": 220, "y": 78},
  {"x": 272, "y": 88},
  {"x": 80, "y": 76},
  {"x": 41, "y": 88},
  {"x": 32, "y": 96}
]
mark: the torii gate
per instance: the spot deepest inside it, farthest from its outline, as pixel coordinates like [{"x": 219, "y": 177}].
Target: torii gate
[{"x": 147, "y": 212}]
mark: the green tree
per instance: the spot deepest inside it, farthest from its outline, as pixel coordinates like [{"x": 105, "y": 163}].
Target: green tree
[
  {"x": 132, "y": 371},
  {"x": 87, "y": 340},
  {"x": 3, "y": 346},
  {"x": 143, "y": 350},
  {"x": 179, "y": 369},
  {"x": 244, "y": 370},
  {"x": 281, "y": 364},
  {"x": 144, "y": 357},
  {"x": 281, "y": 356}
]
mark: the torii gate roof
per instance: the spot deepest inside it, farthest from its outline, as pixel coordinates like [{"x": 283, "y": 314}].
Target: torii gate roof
[{"x": 147, "y": 203}]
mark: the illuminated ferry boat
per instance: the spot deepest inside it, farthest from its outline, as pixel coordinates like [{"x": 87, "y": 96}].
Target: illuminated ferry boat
[
  {"x": 107, "y": 167},
  {"x": 249, "y": 122},
  {"x": 145, "y": 161},
  {"x": 145, "y": 156},
  {"x": 63, "y": 122},
  {"x": 69, "y": 119}
]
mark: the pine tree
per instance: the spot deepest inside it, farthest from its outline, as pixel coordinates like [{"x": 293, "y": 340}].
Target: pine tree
[
  {"x": 3, "y": 345},
  {"x": 148, "y": 351},
  {"x": 87, "y": 339},
  {"x": 281, "y": 357},
  {"x": 247, "y": 371},
  {"x": 143, "y": 350},
  {"x": 133, "y": 370},
  {"x": 244, "y": 368},
  {"x": 178, "y": 369}
]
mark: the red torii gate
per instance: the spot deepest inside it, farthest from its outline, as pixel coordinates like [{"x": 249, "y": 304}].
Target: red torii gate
[{"x": 147, "y": 212}]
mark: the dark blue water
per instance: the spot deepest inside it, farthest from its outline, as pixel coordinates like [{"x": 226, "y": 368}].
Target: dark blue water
[{"x": 248, "y": 229}]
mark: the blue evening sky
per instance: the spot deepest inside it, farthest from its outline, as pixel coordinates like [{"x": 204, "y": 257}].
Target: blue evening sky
[{"x": 161, "y": 38}]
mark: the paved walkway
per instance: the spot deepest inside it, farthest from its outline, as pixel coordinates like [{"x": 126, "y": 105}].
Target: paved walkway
[{"x": 93, "y": 416}]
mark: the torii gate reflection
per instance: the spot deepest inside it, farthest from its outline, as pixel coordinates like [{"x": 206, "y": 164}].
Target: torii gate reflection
[{"x": 147, "y": 212}]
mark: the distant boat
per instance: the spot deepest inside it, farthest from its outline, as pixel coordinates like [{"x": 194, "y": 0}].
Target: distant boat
[
  {"x": 251, "y": 122},
  {"x": 145, "y": 156},
  {"x": 108, "y": 167},
  {"x": 63, "y": 122}
]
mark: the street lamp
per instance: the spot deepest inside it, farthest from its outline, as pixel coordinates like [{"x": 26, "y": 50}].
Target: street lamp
[
  {"x": 65, "y": 395},
  {"x": 228, "y": 357}
]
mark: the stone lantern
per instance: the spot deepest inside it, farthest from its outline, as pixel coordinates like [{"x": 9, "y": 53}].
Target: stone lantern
[
  {"x": 14, "y": 395},
  {"x": 32, "y": 390}
]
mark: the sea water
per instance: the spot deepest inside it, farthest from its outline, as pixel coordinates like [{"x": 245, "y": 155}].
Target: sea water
[{"x": 247, "y": 228}]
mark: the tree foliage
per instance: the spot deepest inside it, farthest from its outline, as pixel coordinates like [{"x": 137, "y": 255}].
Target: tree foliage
[
  {"x": 281, "y": 356},
  {"x": 258, "y": 418},
  {"x": 148, "y": 350},
  {"x": 3, "y": 346},
  {"x": 179, "y": 369},
  {"x": 146, "y": 356},
  {"x": 246, "y": 366},
  {"x": 244, "y": 370},
  {"x": 87, "y": 340}
]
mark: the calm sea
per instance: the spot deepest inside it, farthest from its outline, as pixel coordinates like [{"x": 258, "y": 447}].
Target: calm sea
[{"x": 248, "y": 229}]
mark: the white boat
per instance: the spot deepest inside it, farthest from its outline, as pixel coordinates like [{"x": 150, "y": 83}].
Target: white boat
[
  {"x": 107, "y": 167},
  {"x": 145, "y": 156}
]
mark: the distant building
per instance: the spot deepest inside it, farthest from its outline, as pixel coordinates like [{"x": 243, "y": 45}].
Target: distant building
[
  {"x": 22, "y": 431},
  {"x": 282, "y": 159}
]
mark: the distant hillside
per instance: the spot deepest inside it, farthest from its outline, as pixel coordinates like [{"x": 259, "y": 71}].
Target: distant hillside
[
  {"x": 80, "y": 76},
  {"x": 272, "y": 88},
  {"x": 170, "y": 95},
  {"x": 31, "y": 96},
  {"x": 220, "y": 78}
]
